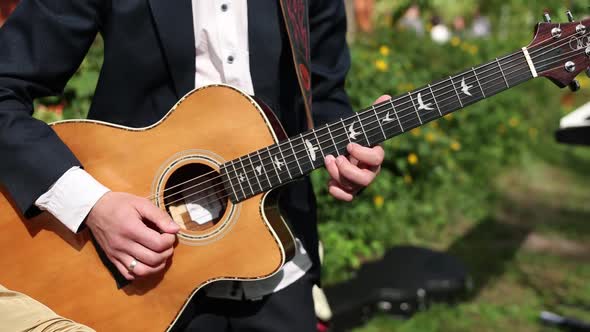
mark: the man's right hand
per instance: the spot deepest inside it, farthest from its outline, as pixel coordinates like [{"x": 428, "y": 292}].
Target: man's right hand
[{"x": 130, "y": 228}]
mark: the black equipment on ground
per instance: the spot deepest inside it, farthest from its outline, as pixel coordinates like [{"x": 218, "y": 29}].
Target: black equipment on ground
[
  {"x": 408, "y": 279},
  {"x": 574, "y": 128}
]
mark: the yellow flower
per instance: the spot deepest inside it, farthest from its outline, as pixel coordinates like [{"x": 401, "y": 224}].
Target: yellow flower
[
  {"x": 408, "y": 179},
  {"x": 406, "y": 87},
  {"x": 533, "y": 132},
  {"x": 448, "y": 117},
  {"x": 455, "y": 41},
  {"x": 384, "y": 50},
  {"x": 513, "y": 122},
  {"x": 430, "y": 137},
  {"x": 378, "y": 200},
  {"x": 434, "y": 124},
  {"x": 455, "y": 146},
  {"x": 584, "y": 81},
  {"x": 381, "y": 65},
  {"x": 412, "y": 158},
  {"x": 473, "y": 49},
  {"x": 416, "y": 132}
]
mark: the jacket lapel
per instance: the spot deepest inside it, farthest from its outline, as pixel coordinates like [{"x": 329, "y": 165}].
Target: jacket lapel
[{"x": 174, "y": 23}]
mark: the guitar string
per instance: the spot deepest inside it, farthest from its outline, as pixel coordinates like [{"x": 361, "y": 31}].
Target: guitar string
[
  {"x": 250, "y": 186},
  {"x": 433, "y": 111},
  {"x": 466, "y": 75},
  {"x": 536, "y": 50},
  {"x": 378, "y": 134},
  {"x": 292, "y": 164},
  {"x": 443, "y": 81},
  {"x": 263, "y": 160},
  {"x": 208, "y": 200}
]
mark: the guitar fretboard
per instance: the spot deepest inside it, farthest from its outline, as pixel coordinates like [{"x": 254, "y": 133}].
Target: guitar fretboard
[{"x": 277, "y": 164}]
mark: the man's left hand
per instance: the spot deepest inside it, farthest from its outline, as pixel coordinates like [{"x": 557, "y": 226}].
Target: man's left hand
[{"x": 350, "y": 174}]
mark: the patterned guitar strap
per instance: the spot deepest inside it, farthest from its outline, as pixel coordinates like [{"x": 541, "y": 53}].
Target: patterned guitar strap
[{"x": 295, "y": 15}]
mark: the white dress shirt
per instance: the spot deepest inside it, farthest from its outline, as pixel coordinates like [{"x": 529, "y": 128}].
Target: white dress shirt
[{"x": 221, "y": 42}]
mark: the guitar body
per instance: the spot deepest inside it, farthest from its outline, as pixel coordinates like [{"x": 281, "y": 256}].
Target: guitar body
[{"x": 247, "y": 241}]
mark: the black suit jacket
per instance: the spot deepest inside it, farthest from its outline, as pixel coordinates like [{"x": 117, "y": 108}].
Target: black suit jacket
[{"x": 149, "y": 63}]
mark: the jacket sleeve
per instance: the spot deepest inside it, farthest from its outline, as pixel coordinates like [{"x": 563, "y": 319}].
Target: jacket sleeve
[
  {"x": 41, "y": 46},
  {"x": 330, "y": 60}
]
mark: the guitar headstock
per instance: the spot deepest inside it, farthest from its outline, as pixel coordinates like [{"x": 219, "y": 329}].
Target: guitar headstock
[{"x": 560, "y": 51}]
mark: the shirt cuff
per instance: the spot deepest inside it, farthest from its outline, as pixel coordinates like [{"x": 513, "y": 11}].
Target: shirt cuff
[{"x": 72, "y": 197}]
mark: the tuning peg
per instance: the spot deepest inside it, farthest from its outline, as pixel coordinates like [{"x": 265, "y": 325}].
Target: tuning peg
[
  {"x": 546, "y": 17},
  {"x": 574, "y": 85},
  {"x": 570, "y": 17}
]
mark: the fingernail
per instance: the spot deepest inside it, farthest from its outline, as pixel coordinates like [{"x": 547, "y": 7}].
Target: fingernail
[
  {"x": 339, "y": 160},
  {"x": 329, "y": 158},
  {"x": 350, "y": 146}
]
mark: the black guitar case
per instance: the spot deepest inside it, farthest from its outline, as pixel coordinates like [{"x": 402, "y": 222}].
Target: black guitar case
[{"x": 407, "y": 279}]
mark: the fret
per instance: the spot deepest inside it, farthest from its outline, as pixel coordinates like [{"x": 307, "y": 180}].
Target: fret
[
  {"x": 469, "y": 91},
  {"x": 520, "y": 71},
  {"x": 502, "y": 72},
  {"x": 237, "y": 178},
  {"x": 478, "y": 83},
  {"x": 273, "y": 165},
  {"x": 406, "y": 113},
  {"x": 324, "y": 141},
  {"x": 415, "y": 109},
  {"x": 390, "y": 123},
  {"x": 358, "y": 116},
  {"x": 446, "y": 96},
  {"x": 493, "y": 82},
  {"x": 372, "y": 128},
  {"x": 255, "y": 175},
  {"x": 263, "y": 168},
  {"x": 346, "y": 133},
  {"x": 295, "y": 157},
  {"x": 319, "y": 144},
  {"x": 333, "y": 141},
  {"x": 285, "y": 163},
  {"x": 434, "y": 98},
  {"x": 426, "y": 106},
  {"x": 396, "y": 116},
  {"x": 456, "y": 92},
  {"x": 310, "y": 151},
  {"x": 379, "y": 122},
  {"x": 227, "y": 176},
  {"x": 244, "y": 175}
]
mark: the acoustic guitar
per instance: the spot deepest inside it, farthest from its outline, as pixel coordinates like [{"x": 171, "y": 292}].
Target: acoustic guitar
[{"x": 213, "y": 163}]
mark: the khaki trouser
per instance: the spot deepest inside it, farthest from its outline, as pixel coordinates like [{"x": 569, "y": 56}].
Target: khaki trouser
[{"x": 20, "y": 313}]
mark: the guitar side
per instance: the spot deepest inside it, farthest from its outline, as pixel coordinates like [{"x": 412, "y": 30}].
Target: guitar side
[{"x": 250, "y": 241}]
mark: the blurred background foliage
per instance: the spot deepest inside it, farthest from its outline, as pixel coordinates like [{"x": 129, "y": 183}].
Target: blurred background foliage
[
  {"x": 444, "y": 170},
  {"x": 492, "y": 170}
]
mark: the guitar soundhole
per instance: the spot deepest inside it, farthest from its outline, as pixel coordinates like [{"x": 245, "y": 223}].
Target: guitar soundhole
[{"x": 195, "y": 197}]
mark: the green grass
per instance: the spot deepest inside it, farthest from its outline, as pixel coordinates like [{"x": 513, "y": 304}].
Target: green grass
[{"x": 531, "y": 254}]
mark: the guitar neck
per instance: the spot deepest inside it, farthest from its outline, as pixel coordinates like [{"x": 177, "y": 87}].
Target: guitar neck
[{"x": 277, "y": 164}]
